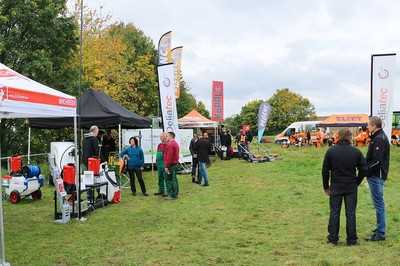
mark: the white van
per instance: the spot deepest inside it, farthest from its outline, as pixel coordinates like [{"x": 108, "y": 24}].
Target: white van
[{"x": 296, "y": 127}]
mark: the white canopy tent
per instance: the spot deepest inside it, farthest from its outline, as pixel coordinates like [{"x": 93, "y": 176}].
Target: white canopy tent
[{"x": 21, "y": 97}]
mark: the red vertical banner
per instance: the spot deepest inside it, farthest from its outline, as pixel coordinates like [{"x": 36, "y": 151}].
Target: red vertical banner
[{"x": 217, "y": 104}]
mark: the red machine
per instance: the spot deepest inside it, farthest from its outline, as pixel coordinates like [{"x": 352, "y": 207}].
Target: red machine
[
  {"x": 15, "y": 164},
  {"x": 69, "y": 174},
  {"x": 94, "y": 165}
]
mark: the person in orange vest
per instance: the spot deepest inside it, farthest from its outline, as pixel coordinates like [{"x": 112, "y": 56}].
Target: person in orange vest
[
  {"x": 366, "y": 136},
  {"x": 362, "y": 137},
  {"x": 336, "y": 138},
  {"x": 359, "y": 138},
  {"x": 320, "y": 138}
]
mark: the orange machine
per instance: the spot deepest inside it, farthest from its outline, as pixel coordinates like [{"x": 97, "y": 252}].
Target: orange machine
[
  {"x": 395, "y": 136},
  {"x": 320, "y": 136},
  {"x": 362, "y": 138}
]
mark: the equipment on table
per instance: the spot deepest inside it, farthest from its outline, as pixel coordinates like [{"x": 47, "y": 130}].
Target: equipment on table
[
  {"x": 23, "y": 181},
  {"x": 94, "y": 165},
  {"x": 61, "y": 153},
  {"x": 68, "y": 176},
  {"x": 65, "y": 195},
  {"x": 105, "y": 175}
]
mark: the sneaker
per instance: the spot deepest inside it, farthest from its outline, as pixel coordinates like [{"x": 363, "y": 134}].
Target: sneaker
[
  {"x": 206, "y": 185},
  {"x": 158, "y": 194},
  {"x": 145, "y": 194},
  {"x": 376, "y": 237}
]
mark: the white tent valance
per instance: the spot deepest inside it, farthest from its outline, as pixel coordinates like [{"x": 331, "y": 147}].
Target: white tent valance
[
  {"x": 195, "y": 120},
  {"x": 21, "y": 97},
  {"x": 197, "y": 125}
]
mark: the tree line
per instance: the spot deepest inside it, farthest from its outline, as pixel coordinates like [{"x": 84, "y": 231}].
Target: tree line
[{"x": 286, "y": 107}]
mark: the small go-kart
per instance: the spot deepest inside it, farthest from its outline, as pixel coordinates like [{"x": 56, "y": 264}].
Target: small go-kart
[{"x": 23, "y": 181}]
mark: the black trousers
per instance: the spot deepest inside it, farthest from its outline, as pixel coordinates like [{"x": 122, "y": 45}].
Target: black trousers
[
  {"x": 195, "y": 165},
  {"x": 138, "y": 173},
  {"x": 350, "y": 202}
]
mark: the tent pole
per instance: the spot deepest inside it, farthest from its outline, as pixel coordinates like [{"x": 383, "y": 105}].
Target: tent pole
[
  {"x": 2, "y": 245},
  {"x": 77, "y": 167},
  {"x": 29, "y": 145},
  {"x": 119, "y": 139},
  {"x": 152, "y": 149}
]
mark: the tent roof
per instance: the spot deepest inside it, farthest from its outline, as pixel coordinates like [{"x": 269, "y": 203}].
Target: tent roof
[
  {"x": 195, "y": 120},
  {"x": 21, "y": 97},
  {"x": 97, "y": 108},
  {"x": 345, "y": 120}
]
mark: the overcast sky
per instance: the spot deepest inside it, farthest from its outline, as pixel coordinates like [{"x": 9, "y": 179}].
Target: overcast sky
[{"x": 320, "y": 49}]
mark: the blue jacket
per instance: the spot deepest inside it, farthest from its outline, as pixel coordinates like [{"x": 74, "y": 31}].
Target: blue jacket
[{"x": 136, "y": 157}]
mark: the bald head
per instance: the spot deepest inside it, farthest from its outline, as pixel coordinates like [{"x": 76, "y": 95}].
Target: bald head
[{"x": 94, "y": 130}]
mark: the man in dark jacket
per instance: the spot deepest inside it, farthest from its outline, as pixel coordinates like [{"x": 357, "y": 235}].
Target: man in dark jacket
[
  {"x": 340, "y": 182},
  {"x": 193, "y": 152},
  {"x": 107, "y": 146},
  {"x": 90, "y": 145},
  {"x": 378, "y": 157},
  {"x": 203, "y": 150}
]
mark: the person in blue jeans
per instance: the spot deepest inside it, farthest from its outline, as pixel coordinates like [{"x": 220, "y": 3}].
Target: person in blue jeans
[
  {"x": 378, "y": 157},
  {"x": 134, "y": 154},
  {"x": 203, "y": 148}
]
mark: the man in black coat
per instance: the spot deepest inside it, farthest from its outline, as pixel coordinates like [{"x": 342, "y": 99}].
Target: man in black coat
[
  {"x": 90, "y": 145},
  {"x": 193, "y": 152},
  {"x": 340, "y": 182},
  {"x": 378, "y": 157},
  {"x": 203, "y": 148}
]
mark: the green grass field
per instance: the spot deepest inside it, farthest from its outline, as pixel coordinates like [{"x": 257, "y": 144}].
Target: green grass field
[{"x": 252, "y": 214}]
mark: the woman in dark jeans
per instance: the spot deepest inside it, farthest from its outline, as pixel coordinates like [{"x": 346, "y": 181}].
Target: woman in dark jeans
[{"x": 134, "y": 154}]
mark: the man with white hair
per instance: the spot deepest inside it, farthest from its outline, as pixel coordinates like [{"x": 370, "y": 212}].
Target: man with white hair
[{"x": 90, "y": 145}]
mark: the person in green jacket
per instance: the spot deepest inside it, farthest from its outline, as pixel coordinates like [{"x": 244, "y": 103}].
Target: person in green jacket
[{"x": 162, "y": 190}]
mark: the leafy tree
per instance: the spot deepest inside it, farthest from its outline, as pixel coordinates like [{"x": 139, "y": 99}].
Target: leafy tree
[
  {"x": 249, "y": 114},
  {"x": 288, "y": 107},
  {"x": 202, "y": 109},
  {"x": 37, "y": 39},
  {"x": 233, "y": 123},
  {"x": 120, "y": 60},
  {"x": 141, "y": 57},
  {"x": 187, "y": 102}
]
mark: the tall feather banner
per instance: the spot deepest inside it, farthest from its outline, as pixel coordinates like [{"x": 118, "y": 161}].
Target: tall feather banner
[
  {"x": 177, "y": 60},
  {"x": 164, "y": 48},
  {"x": 263, "y": 115}
]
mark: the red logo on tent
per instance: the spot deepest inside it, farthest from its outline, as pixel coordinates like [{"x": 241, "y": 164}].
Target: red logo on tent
[
  {"x": 67, "y": 102},
  {"x": 5, "y": 73},
  {"x": 2, "y": 95}
]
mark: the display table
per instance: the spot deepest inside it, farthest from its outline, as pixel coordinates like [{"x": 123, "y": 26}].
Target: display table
[
  {"x": 92, "y": 202},
  {"x": 96, "y": 187}
]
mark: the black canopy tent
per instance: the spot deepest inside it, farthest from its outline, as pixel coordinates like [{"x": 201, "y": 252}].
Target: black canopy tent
[{"x": 96, "y": 108}]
